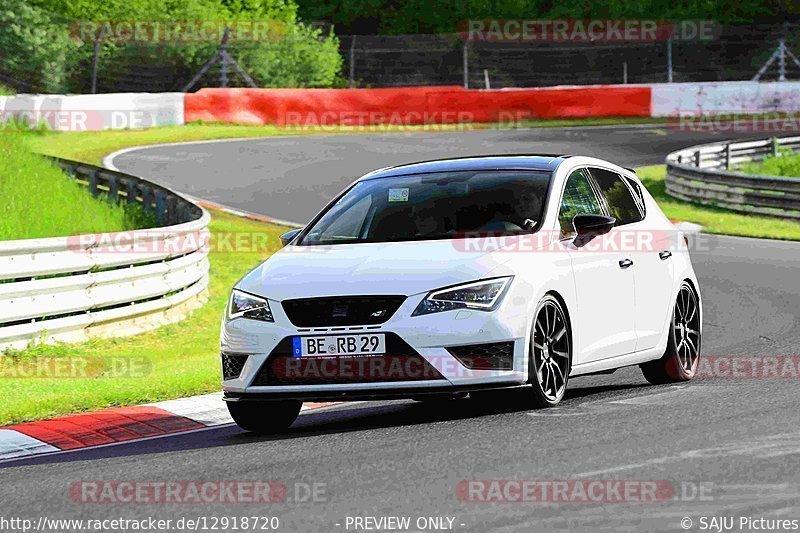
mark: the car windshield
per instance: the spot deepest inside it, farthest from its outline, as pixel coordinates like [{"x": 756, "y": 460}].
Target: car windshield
[{"x": 442, "y": 205}]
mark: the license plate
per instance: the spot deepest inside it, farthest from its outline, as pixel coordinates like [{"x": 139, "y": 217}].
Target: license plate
[{"x": 327, "y": 345}]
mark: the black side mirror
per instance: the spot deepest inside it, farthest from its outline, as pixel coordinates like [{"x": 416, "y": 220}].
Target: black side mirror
[
  {"x": 289, "y": 236},
  {"x": 590, "y": 226}
]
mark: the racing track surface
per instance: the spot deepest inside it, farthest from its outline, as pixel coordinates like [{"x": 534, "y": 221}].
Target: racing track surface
[{"x": 738, "y": 438}]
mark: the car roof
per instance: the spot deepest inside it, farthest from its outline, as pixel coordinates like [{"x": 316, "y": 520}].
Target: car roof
[{"x": 548, "y": 162}]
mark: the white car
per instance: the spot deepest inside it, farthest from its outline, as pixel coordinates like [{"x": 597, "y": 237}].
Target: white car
[{"x": 443, "y": 278}]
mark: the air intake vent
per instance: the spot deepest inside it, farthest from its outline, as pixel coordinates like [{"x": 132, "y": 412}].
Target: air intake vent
[
  {"x": 232, "y": 364},
  {"x": 341, "y": 310},
  {"x": 494, "y": 356}
]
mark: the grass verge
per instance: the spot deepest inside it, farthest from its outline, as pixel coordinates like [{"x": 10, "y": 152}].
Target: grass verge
[
  {"x": 61, "y": 207},
  {"x": 713, "y": 219}
]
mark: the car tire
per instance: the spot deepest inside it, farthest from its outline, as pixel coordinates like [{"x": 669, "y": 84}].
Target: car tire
[
  {"x": 265, "y": 417},
  {"x": 549, "y": 354},
  {"x": 682, "y": 357}
]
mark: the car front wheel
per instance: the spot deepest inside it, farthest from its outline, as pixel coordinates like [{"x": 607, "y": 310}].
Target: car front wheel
[
  {"x": 682, "y": 357},
  {"x": 550, "y": 354},
  {"x": 264, "y": 417}
]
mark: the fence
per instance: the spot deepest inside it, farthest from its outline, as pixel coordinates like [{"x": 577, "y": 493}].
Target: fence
[
  {"x": 734, "y": 53},
  {"x": 74, "y": 288},
  {"x": 703, "y": 174}
]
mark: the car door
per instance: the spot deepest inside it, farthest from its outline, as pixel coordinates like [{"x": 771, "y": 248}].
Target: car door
[
  {"x": 604, "y": 286},
  {"x": 648, "y": 247}
]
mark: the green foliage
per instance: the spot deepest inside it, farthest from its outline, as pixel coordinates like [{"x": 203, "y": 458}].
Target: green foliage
[
  {"x": 788, "y": 164},
  {"x": 34, "y": 49},
  {"x": 5, "y": 91},
  {"x": 301, "y": 59},
  {"x": 294, "y": 56},
  {"x": 38, "y": 200},
  {"x": 424, "y": 16}
]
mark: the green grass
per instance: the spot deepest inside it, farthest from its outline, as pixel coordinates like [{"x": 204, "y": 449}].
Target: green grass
[
  {"x": 5, "y": 91},
  {"x": 93, "y": 146},
  {"x": 786, "y": 165},
  {"x": 713, "y": 219},
  {"x": 38, "y": 200}
]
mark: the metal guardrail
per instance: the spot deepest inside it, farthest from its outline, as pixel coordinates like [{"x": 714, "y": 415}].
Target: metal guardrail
[
  {"x": 73, "y": 288},
  {"x": 704, "y": 174}
]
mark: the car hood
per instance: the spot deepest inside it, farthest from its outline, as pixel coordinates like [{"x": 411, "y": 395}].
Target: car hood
[{"x": 404, "y": 268}]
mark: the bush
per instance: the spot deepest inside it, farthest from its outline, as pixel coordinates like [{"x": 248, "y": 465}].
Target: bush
[
  {"x": 301, "y": 58},
  {"x": 35, "y": 49}
]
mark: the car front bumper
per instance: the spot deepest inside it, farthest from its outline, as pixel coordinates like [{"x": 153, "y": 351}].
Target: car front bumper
[{"x": 429, "y": 336}]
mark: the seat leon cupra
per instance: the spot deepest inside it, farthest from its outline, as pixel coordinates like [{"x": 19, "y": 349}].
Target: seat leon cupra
[{"x": 451, "y": 277}]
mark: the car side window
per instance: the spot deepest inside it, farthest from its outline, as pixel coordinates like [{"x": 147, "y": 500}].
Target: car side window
[
  {"x": 637, "y": 189},
  {"x": 579, "y": 198},
  {"x": 621, "y": 203}
]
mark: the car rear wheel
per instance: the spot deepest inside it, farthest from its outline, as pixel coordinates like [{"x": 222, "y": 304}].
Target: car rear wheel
[
  {"x": 682, "y": 357},
  {"x": 264, "y": 417},
  {"x": 550, "y": 354}
]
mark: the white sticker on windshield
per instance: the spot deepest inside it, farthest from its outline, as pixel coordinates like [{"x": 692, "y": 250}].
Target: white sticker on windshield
[{"x": 398, "y": 195}]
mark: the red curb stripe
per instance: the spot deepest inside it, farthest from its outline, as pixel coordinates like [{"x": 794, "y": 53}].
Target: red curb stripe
[{"x": 106, "y": 427}]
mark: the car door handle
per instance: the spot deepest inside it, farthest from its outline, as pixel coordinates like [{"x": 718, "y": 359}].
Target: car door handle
[
  {"x": 625, "y": 263},
  {"x": 666, "y": 254}
]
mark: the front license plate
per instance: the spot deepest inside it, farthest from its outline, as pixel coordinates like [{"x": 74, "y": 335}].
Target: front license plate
[{"x": 327, "y": 345}]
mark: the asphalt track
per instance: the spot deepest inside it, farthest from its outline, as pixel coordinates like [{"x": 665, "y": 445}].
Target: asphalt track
[{"x": 736, "y": 438}]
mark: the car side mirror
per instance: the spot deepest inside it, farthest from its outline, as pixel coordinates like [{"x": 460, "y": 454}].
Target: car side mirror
[
  {"x": 590, "y": 226},
  {"x": 289, "y": 236}
]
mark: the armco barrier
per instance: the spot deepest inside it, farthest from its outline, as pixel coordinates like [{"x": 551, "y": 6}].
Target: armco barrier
[
  {"x": 74, "y": 288},
  {"x": 703, "y": 174},
  {"x": 412, "y": 105}
]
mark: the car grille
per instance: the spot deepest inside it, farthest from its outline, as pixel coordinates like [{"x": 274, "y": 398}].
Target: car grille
[
  {"x": 401, "y": 363},
  {"x": 232, "y": 364},
  {"x": 341, "y": 310},
  {"x": 493, "y": 356}
]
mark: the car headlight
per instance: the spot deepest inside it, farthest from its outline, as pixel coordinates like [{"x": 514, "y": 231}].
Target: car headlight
[
  {"x": 484, "y": 295},
  {"x": 246, "y": 305}
]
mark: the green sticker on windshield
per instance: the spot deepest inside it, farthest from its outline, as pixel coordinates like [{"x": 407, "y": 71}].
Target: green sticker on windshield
[{"x": 398, "y": 195}]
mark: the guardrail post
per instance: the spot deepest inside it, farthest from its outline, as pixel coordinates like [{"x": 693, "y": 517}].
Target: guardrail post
[
  {"x": 131, "y": 189},
  {"x": 776, "y": 144},
  {"x": 728, "y": 156},
  {"x": 172, "y": 212},
  {"x": 697, "y": 158},
  {"x": 147, "y": 198},
  {"x": 160, "y": 205},
  {"x": 93, "y": 180},
  {"x": 181, "y": 212},
  {"x": 113, "y": 187}
]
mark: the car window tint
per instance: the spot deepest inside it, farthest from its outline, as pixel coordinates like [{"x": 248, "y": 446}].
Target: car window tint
[
  {"x": 439, "y": 205},
  {"x": 621, "y": 203},
  {"x": 579, "y": 198},
  {"x": 639, "y": 195}
]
